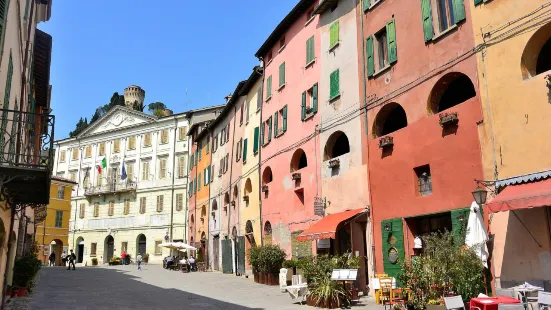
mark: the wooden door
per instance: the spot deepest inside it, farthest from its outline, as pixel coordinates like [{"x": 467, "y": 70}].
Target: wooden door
[{"x": 216, "y": 252}]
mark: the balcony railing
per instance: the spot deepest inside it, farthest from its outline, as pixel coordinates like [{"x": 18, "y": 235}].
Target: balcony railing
[
  {"x": 26, "y": 156},
  {"x": 112, "y": 188}
]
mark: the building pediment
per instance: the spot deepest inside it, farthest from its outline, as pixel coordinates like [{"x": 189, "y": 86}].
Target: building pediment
[{"x": 116, "y": 119}]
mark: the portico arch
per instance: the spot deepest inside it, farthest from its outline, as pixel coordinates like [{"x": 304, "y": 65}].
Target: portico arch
[{"x": 108, "y": 248}]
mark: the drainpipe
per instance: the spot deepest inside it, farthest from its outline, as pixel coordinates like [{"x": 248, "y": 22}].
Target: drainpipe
[
  {"x": 76, "y": 204},
  {"x": 173, "y": 176},
  {"x": 260, "y": 155},
  {"x": 231, "y": 171},
  {"x": 187, "y": 195},
  {"x": 209, "y": 134},
  {"x": 8, "y": 255}
]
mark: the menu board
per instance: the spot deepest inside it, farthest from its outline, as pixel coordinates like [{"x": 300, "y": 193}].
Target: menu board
[{"x": 344, "y": 274}]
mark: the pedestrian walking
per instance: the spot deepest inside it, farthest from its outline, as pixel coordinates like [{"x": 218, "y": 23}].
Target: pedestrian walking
[
  {"x": 123, "y": 257},
  {"x": 72, "y": 257},
  {"x": 139, "y": 260},
  {"x": 52, "y": 259},
  {"x": 64, "y": 259}
]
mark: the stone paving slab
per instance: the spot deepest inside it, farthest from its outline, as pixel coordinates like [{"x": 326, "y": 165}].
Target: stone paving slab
[{"x": 124, "y": 287}]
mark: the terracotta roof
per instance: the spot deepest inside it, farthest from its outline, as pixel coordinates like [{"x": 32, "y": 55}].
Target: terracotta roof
[{"x": 63, "y": 180}]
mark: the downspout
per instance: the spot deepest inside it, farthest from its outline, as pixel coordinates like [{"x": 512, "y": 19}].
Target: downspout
[
  {"x": 231, "y": 171},
  {"x": 76, "y": 204},
  {"x": 259, "y": 165},
  {"x": 209, "y": 134},
  {"x": 173, "y": 176},
  {"x": 187, "y": 195}
]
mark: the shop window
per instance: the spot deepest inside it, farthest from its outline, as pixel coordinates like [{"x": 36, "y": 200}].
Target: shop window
[
  {"x": 390, "y": 118},
  {"x": 336, "y": 145},
  {"x": 424, "y": 180},
  {"x": 299, "y": 160},
  {"x": 452, "y": 89}
]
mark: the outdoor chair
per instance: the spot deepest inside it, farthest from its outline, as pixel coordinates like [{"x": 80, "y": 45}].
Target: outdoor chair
[
  {"x": 544, "y": 300},
  {"x": 509, "y": 292},
  {"x": 510, "y": 307},
  {"x": 455, "y": 302},
  {"x": 385, "y": 292}
]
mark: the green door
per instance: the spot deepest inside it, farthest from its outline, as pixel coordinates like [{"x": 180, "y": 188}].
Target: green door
[
  {"x": 393, "y": 246},
  {"x": 240, "y": 247},
  {"x": 226, "y": 256}
]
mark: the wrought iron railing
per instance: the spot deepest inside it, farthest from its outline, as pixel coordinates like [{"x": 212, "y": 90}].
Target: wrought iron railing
[
  {"x": 26, "y": 139},
  {"x": 112, "y": 187}
]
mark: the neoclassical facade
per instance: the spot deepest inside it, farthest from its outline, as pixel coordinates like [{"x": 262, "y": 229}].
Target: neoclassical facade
[{"x": 131, "y": 175}]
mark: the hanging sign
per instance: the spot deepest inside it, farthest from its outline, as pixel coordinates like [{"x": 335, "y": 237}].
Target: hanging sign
[
  {"x": 344, "y": 274},
  {"x": 324, "y": 243},
  {"x": 319, "y": 206}
]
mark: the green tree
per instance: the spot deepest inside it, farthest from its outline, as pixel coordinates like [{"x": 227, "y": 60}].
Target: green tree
[
  {"x": 137, "y": 106},
  {"x": 80, "y": 127},
  {"x": 154, "y": 106}
]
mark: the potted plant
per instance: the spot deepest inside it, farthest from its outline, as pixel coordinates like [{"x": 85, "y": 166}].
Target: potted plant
[
  {"x": 264, "y": 188},
  {"x": 387, "y": 141},
  {"x": 296, "y": 176},
  {"x": 24, "y": 271},
  {"x": 145, "y": 258},
  {"x": 273, "y": 258},
  {"x": 334, "y": 163},
  {"x": 253, "y": 257},
  {"x": 448, "y": 118},
  {"x": 94, "y": 261}
]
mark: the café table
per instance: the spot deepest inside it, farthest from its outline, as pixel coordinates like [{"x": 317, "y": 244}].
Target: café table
[
  {"x": 490, "y": 303},
  {"x": 298, "y": 291}
]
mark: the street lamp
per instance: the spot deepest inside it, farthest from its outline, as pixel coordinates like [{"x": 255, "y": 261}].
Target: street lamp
[{"x": 479, "y": 195}]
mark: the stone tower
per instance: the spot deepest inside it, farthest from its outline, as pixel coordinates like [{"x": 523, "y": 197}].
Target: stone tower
[{"x": 133, "y": 93}]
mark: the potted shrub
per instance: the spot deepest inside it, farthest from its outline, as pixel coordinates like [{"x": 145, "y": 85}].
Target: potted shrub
[
  {"x": 385, "y": 142},
  {"x": 271, "y": 257},
  {"x": 24, "y": 271},
  {"x": 94, "y": 261},
  {"x": 8, "y": 290},
  {"x": 145, "y": 258},
  {"x": 253, "y": 257}
]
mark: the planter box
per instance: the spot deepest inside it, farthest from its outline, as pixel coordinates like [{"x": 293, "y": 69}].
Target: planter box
[
  {"x": 296, "y": 176},
  {"x": 21, "y": 292},
  {"x": 261, "y": 278},
  {"x": 448, "y": 119},
  {"x": 386, "y": 142},
  {"x": 334, "y": 163},
  {"x": 264, "y": 188},
  {"x": 436, "y": 307},
  {"x": 245, "y": 198}
]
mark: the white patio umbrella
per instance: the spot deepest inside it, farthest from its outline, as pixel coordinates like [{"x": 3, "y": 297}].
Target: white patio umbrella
[
  {"x": 169, "y": 245},
  {"x": 477, "y": 236}
]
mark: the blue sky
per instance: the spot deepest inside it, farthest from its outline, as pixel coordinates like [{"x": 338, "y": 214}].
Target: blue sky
[{"x": 103, "y": 46}]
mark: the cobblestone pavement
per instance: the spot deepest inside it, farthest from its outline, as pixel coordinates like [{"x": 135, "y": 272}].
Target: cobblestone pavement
[{"x": 123, "y": 287}]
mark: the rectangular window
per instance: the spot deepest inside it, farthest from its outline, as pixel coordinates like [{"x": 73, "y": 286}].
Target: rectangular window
[
  {"x": 86, "y": 179},
  {"x": 93, "y": 248},
  {"x": 206, "y": 174},
  {"x": 269, "y": 87},
  {"x": 215, "y": 143},
  {"x": 280, "y": 122},
  {"x": 445, "y": 14},
  {"x": 181, "y": 166},
  {"x": 75, "y": 153},
  {"x": 60, "y": 192},
  {"x": 381, "y": 49},
  {"x": 124, "y": 246},
  {"x": 310, "y": 50},
  {"x": 99, "y": 178},
  {"x": 132, "y": 143},
  {"x": 334, "y": 35},
  {"x": 130, "y": 171},
  {"x": 247, "y": 111},
  {"x": 207, "y": 147},
  {"x": 162, "y": 168},
  {"x": 164, "y": 136},
  {"x": 62, "y": 156},
  {"x": 238, "y": 150},
  {"x": 111, "y": 210},
  {"x": 258, "y": 99},
  {"x": 58, "y": 218},
  {"x": 221, "y": 168},
  {"x": 143, "y": 201},
  {"x": 102, "y": 148},
  {"x": 309, "y": 102},
  {"x": 256, "y": 139},
  {"x": 334, "y": 84},
  {"x": 182, "y": 132},
  {"x": 424, "y": 180},
  {"x": 241, "y": 113},
  {"x": 160, "y": 199},
  {"x": 179, "y": 202},
  {"x": 73, "y": 176},
  {"x": 117, "y": 145},
  {"x": 226, "y": 162},
  {"x": 81, "y": 210},
  {"x": 147, "y": 140},
  {"x": 282, "y": 74},
  {"x": 244, "y": 150},
  {"x": 157, "y": 247},
  {"x": 96, "y": 209},
  {"x": 145, "y": 171},
  {"x": 281, "y": 42},
  {"x": 126, "y": 207},
  {"x": 88, "y": 152}
]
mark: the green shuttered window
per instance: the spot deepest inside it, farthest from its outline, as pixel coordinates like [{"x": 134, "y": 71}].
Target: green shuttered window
[
  {"x": 255, "y": 142},
  {"x": 270, "y": 129},
  {"x": 3, "y": 15},
  {"x": 393, "y": 241},
  {"x": 315, "y": 98},
  {"x": 427, "y": 20},
  {"x": 284, "y": 112},
  {"x": 476, "y": 2},
  {"x": 245, "y": 150},
  {"x": 334, "y": 89},
  {"x": 276, "y": 116},
  {"x": 366, "y": 4},
  {"x": 458, "y": 10},
  {"x": 391, "y": 41},
  {"x": 281, "y": 74},
  {"x": 369, "y": 56},
  {"x": 303, "y": 107},
  {"x": 310, "y": 50},
  {"x": 199, "y": 182},
  {"x": 334, "y": 35},
  {"x": 269, "y": 87}
]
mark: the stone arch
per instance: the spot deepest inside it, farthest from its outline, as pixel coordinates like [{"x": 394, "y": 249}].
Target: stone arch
[
  {"x": 336, "y": 145},
  {"x": 249, "y": 227},
  {"x": 56, "y": 246},
  {"x": 449, "y": 91},
  {"x": 267, "y": 175},
  {"x": 299, "y": 160},
  {"x": 108, "y": 248},
  {"x": 79, "y": 251},
  {"x": 391, "y": 117},
  {"x": 235, "y": 193},
  {"x": 536, "y": 57},
  {"x": 141, "y": 244}
]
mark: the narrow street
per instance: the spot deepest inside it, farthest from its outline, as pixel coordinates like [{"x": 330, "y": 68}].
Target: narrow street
[{"x": 123, "y": 287}]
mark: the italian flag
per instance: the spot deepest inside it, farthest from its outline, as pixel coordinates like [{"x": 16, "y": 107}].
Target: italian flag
[{"x": 103, "y": 165}]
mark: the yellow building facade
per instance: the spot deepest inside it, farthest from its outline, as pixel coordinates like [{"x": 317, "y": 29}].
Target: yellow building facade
[
  {"x": 53, "y": 233},
  {"x": 514, "y": 67}
]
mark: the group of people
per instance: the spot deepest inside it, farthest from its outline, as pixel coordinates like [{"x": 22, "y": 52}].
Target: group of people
[
  {"x": 169, "y": 261},
  {"x": 64, "y": 259}
]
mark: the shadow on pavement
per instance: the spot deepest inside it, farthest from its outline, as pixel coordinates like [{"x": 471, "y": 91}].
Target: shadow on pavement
[{"x": 98, "y": 288}]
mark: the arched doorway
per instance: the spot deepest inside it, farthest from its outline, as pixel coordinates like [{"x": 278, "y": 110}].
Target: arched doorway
[
  {"x": 109, "y": 249},
  {"x": 56, "y": 246},
  {"x": 80, "y": 249},
  {"x": 140, "y": 244},
  {"x": 203, "y": 247},
  {"x": 268, "y": 233}
]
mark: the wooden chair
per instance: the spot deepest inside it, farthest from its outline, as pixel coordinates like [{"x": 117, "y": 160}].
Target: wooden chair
[
  {"x": 381, "y": 275},
  {"x": 385, "y": 291}
]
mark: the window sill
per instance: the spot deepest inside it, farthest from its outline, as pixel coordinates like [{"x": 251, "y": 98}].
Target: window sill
[
  {"x": 332, "y": 48},
  {"x": 309, "y": 21},
  {"x": 269, "y": 98},
  {"x": 281, "y": 87},
  {"x": 374, "y": 5},
  {"x": 311, "y": 63},
  {"x": 279, "y": 134},
  {"x": 266, "y": 143},
  {"x": 444, "y": 33},
  {"x": 281, "y": 48},
  {"x": 332, "y": 99},
  {"x": 157, "y": 254},
  {"x": 255, "y": 153},
  {"x": 381, "y": 71},
  {"x": 308, "y": 116}
]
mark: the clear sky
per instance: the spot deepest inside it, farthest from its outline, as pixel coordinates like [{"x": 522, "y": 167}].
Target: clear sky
[{"x": 164, "y": 46}]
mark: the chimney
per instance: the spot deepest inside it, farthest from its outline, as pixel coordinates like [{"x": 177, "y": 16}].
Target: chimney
[{"x": 228, "y": 98}]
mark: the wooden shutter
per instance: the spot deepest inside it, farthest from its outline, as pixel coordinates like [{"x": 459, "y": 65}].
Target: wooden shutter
[
  {"x": 255, "y": 142},
  {"x": 226, "y": 163},
  {"x": 270, "y": 129},
  {"x": 163, "y": 168},
  {"x": 117, "y": 145},
  {"x": 303, "y": 107},
  {"x": 282, "y": 74},
  {"x": 181, "y": 166},
  {"x": 284, "y": 118},
  {"x": 426, "y": 10},
  {"x": 334, "y": 84},
  {"x": 315, "y": 98},
  {"x": 228, "y": 133},
  {"x": 3, "y": 15},
  {"x": 248, "y": 111},
  {"x": 458, "y": 10},
  {"x": 130, "y": 171},
  {"x": 259, "y": 98},
  {"x": 96, "y": 209},
  {"x": 476, "y": 2},
  {"x": 111, "y": 208},
  {"x": 276, "y": 116},
  {"x": 199, "y": 181},
  {"x": 308, "y": 56},
  {"x": 334, "y": 34},
  {"x": 391, "y": 41},
  {"x": 263, "y": 132},
  {"x": 81, "y": 214},
  {"x": 208, "y": 176},
  {"x": 245, "y": 150},
  {"x": 366, "y": 4},
  {"x": 370, "y": 56},
  {"x": 459, "y": 224},
  {"x": 269, "y": 87},
  {"x": 211, "y": 173},
  {"x": 310, "y": 50},
  {"x": 393, "y": 238}
]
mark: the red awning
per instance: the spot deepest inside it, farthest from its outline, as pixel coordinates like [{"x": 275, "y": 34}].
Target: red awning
[
  {"x": 327, "y": 226},
  {"x": 522, "y": 196}
]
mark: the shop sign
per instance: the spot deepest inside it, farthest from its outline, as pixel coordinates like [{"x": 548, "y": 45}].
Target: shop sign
[
  {"x": 319, "y": 206},
  {"x": 46, "y": 250},
  {"x": 324, "y": 244}
]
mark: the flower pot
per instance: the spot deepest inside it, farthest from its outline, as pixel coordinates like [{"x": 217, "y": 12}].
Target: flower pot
[
  {"x": 310, "y": 300},
  {"x": 22, "y": 291},
  {"x": 256, "y": 277},
  {"x": 8, "y": 291},
  {"x": 275, "y": 279},
  {"x": 353, "y": 294},
  {"x": 261, "y": 278},
  {"x": 436, "y": 307}
]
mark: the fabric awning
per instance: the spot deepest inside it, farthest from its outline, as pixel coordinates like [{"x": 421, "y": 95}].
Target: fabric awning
[
  {"x": 522, "y": 196},
  {"x": 327, "y": 226}
]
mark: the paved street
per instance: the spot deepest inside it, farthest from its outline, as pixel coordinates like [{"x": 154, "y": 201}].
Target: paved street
[{"x": 123, "y": 287}]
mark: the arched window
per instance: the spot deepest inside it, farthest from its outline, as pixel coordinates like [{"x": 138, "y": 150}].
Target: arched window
[
  {"x": 390, "y": 118},
  {"x": 234, "y": 232},
  {"x": 203, "y": 211},
  {"x": 249, "y": 227},
  {"x": 226, "y": 198},
  {"x": 298, "y": 161},
  {"x": 267, "y": 233},
  {"x": 267, "y": 175},
  {"x": 336, "y": 145},
  {"x": 214, "y": 205},
  {"x": 192, "y": 219},
  {"x": 248, "y": 187},
  {"x": 536, "y": 57},
  {"x": 235, "y": 192},
  {"x": 450, "y": 90}
]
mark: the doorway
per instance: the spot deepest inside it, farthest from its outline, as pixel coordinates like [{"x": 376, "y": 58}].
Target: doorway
[
  {"x": 216, "y": 251},
  {"x": 109, "y": 248},
  {"x": 141, "y": 245},
  {"x": 80, "y": 249}
]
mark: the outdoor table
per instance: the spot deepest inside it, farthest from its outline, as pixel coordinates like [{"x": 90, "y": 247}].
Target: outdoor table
[
  {"x": 525, "y": 289},
  {"x": 490, "y": 303},
  {"x": 298, "y": 291}
]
